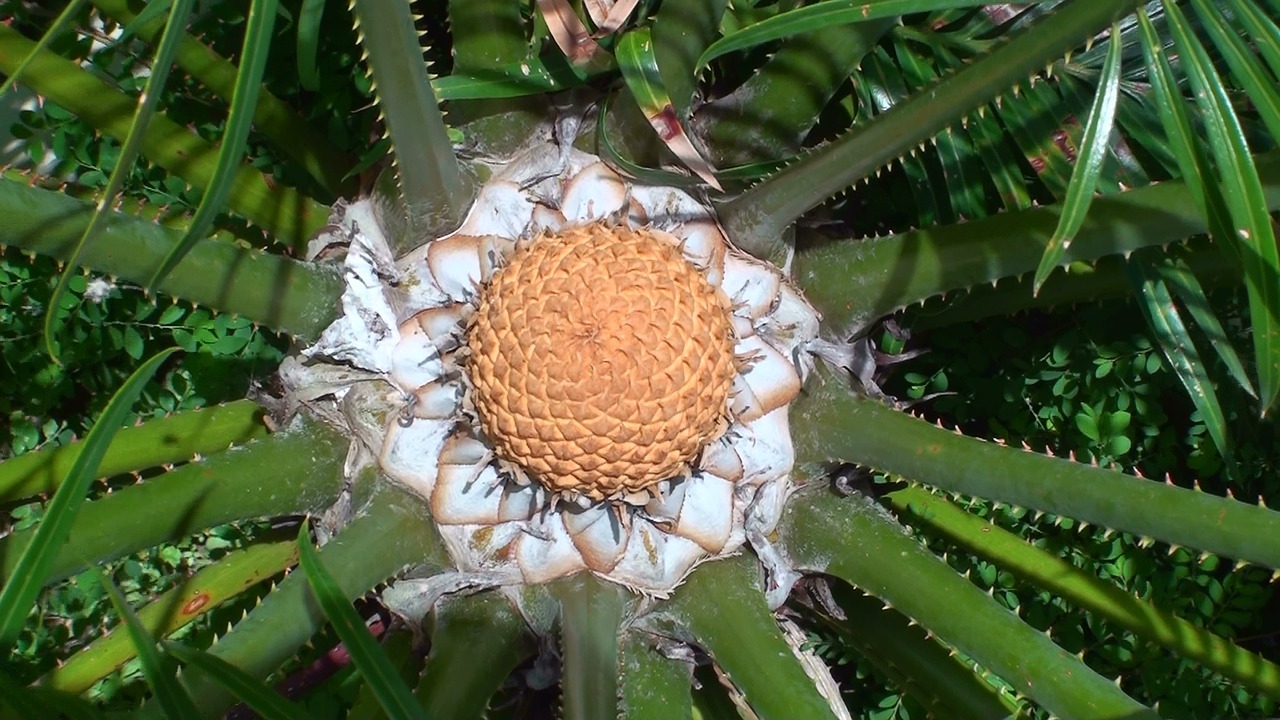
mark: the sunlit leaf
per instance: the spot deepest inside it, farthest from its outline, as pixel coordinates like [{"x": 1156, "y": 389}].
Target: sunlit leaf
[
  {"x": 1084, "y": 178},
  {"x": 1253, "y": 233}
]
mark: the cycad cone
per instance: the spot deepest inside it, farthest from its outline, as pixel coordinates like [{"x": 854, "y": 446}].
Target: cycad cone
[
  {"x": 601, "y": 361},
  {"x": 586, "y": 375}
]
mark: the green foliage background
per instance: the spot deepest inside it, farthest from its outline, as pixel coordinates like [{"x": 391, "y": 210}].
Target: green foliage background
[
  {"x": 108, "y": 330},
  {"x": 1081, "y": 380}
]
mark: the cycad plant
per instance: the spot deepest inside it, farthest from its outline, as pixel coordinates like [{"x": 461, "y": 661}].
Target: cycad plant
[{"x": 586, "y": 375}]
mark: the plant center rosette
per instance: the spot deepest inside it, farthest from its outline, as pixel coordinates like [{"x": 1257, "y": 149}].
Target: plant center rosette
[{"x": 586, "y": 375}]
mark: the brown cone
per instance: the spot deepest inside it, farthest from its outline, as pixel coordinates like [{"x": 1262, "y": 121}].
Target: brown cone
[{"x": 601, "y": 360}]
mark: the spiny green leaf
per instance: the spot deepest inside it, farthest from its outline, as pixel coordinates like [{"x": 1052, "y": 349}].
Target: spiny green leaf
[
  {"x": 430, "y": 180},
  {"x": 265, "y": 701},
  {"x": 1034, "y": 124},
  {"x": 757, "y": 219},
  {"x": 160, "y": 672},
  {"x": 278, "y": 122},
  {"x": 253, "y": 61},
  {"x": 476, "y": 642},
  {"x": 888, "y": 562},
  {"x": 388, "y": 534},
  {"x": 528, "y": 77},
  {"x": 1082, "y": 587},
  {"x": 965, "y": 255},
  {"x": 914, "y": 661},
  {"x": 897, "y": 443},
  {"x": 32, "y": 568},
  {"x": 223, "y": 488},
  {"x": 64, "y": 18},
  {"x": 160, "y": 67},
  {"x": 171, "y": 439},
  {"x": 590, "y": 621},
  {"x": 206, "y": 590},
  {"x": 394, "y": 696},
  {"x": 1084, "y": 178},
  {"x": 960, "y": 170},
  {"x": 298, "y": 297},
  {"x": 723, "y": 606},
  {"x": 171, "y": 146}
]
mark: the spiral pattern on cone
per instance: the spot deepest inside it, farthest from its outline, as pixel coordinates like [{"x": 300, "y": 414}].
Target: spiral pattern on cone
[{"x": 601, "y": 360}]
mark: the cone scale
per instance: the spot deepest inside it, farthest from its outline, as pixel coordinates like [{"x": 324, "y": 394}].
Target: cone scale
[{"x": 601, "y": 361}]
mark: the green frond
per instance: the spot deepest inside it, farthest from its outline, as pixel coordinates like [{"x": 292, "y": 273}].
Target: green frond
[{"x": 433, "y": 192}]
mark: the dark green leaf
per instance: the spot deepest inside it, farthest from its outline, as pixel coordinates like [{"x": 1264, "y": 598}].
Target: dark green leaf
[
  {"x": 251, "y": 691},
  {"x": 394, "y": 696},
  {"x": 639, "y": 66},
  {"x": 308, "y": 41},
  {"x": 529, "y": 77},
  {"x": 28, "y": 703},
  {"x": 1254, "y": 79},
  {"x": 152, "y": 11},
  {"x": 1185, "y": 285}
]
